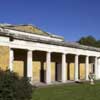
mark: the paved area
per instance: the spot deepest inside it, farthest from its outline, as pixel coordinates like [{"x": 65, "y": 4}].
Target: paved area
[{"x": 41, "y": 84}]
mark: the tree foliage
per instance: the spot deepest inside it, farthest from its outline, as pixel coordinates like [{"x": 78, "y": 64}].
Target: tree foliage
[
  {"x": 89, "y": 41},
  {"x": 13, "y": 87}
]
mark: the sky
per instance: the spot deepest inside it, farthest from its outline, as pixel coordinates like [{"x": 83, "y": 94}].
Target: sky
[{"x": 71, "y": 19}]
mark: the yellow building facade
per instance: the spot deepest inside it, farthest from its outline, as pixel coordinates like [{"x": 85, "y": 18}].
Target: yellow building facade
[
  {"x": 47, "y": 62},
  {"x": 39, "y": 65}
]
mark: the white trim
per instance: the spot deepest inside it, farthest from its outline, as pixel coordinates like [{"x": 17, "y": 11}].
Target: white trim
[
  {"x": 34, "y": 35},
  {"x": 20, "y": 44}
]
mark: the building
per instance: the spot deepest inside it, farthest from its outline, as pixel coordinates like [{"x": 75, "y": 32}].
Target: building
[{"x": 45, "y": 57}]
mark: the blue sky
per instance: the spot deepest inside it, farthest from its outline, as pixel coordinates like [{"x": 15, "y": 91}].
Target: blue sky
[{"x": 69, "y": 18}]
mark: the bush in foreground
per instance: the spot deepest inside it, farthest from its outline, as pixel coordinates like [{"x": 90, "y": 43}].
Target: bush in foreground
[{"x": 13, "y": 87}]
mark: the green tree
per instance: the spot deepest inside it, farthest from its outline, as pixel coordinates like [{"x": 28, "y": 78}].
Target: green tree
[
  {"x": 98, "y": 43},
  {"x": 89, "y": 41},
  {"x": 13, "y": 87}
]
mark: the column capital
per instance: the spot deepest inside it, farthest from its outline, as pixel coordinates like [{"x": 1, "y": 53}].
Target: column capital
[
  {"x": 77, "y": 54},
  {"x": 30, "y": 49},
  {"x": 96, "y": 57},
  {"x": 11, "y": 48},
  {"x": 48, "y": 51},
  {"x": 63, "y": 53},
  {"x": 87, "y": 55}
]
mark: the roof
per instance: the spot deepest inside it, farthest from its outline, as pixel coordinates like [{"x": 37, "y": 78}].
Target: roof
[
  {"x": 29, "y": 28},
  {"x": 58, "y": 43}
]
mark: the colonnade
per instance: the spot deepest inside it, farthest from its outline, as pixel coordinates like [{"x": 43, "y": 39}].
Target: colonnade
[{"x": 30, "y": 56}]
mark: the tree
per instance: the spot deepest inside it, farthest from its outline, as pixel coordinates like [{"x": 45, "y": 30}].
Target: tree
[
  {"x": 89, "y": 41},
  {"x": 98, "y": 43},
  {"x": 13, "y": 87}
]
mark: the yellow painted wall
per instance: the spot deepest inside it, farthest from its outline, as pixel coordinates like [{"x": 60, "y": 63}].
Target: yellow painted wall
[
  {"x": 53, "y": 66},
  {"x": 39, "y": 62},
  {"x": 56, "y": 66},
  {"x": 45, "y": 67},
  {"x": 39, "y": 66},
  {"x": 18, "y": 67},
  {"x": 19, "y": 63},
  {"x": 82, "y": 71},
  {"x": 4, "y": 57},
  {"x": 71, "y": 69},
  {"x": 36, "y": 70}
]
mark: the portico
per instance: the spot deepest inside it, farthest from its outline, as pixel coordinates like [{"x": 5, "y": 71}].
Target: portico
[
  {"x": 48, "y": 67},
  {"x": 48, "y": 58}
]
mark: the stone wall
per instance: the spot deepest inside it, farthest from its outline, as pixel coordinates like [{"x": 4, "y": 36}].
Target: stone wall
[{"x": 4, "y": 57}]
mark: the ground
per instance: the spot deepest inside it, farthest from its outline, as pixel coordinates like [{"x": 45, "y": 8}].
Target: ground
[{"x": 73, "y": 91}]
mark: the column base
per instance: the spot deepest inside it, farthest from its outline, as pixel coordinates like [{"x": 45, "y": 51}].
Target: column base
[
  {"x": 63, "y": 81},
  {"x": 87, "y": 79},
  {"x": 77, "y": 81},
  {"x": 48, "y": 83}
]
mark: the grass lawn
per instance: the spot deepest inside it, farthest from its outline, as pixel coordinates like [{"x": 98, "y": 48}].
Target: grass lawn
[{"x": 73, "y": 91}]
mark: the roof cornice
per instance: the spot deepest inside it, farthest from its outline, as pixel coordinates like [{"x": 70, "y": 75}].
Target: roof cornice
[{"x": 59, "y": 43}]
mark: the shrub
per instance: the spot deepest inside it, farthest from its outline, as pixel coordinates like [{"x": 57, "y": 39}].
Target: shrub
[{"x": 13, "y": 87}]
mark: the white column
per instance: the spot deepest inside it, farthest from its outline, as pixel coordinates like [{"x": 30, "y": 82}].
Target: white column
[
  {"x": 87, "y": 67},
  {"x": 11, "y": 58},
  {"x": 99, "y": 68},
  {"x": 48, "y": 69},
  {"x": 29, "y": 64},
  {"x": 96, "y": 69},
  {"x": 76, "y": 68},
  {"x": 63, "y": 67}
]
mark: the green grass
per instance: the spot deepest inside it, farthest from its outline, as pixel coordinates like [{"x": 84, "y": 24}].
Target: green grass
[{"x": 71, "y": 91}]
